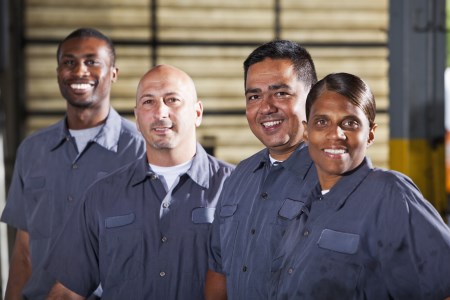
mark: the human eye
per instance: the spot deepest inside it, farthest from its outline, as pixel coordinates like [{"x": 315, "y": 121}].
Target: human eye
[
  {"x": 281, "y": 94},
  {"x": 350, "y": 124},
  {"x": 172, "y": 100},
  {"x": 68, "y": 62},
  {"x": 252, "y": 97},
  {"x": 146, "y": 102},
  {"x": 91, "y": 62},
  {"x": 320, "y": 122}
]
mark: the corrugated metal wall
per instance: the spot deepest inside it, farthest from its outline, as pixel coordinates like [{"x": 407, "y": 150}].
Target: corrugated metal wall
[{"x": 209, "y": 39}]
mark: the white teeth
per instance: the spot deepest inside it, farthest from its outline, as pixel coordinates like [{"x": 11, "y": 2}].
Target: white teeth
[
  {"x": 272, "y": 123},
  {"x": 335, "y": 151},
  {"x": 80, "y": 86}
]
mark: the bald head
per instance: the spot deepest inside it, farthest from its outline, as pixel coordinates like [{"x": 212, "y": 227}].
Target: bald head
[{"x": 166, "y": 77}]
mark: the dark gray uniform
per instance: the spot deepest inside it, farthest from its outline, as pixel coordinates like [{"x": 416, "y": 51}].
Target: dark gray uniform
[
  {"x": 50, "y": 178},
  {"x": 372, "y": 236},
  {"x": 247, "y": 229},
  {"x": 118, "y": 238}
]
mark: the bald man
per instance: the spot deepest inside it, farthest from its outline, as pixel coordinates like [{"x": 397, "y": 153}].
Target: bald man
[{"x": 143, "y": 230}]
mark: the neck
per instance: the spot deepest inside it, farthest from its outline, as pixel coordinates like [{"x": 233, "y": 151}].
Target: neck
[
  {"x": 285, "y": 154},
  {"x": 170, "y": 157},
  {"x": 82, "y": 118}
]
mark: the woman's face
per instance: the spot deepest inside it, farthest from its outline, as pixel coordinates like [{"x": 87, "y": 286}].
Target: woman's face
[{"x": 338, "y": 134}]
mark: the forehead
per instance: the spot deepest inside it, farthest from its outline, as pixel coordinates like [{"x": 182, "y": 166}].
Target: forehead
[
  {"x": 84, "y": 46},
  {"x": 333, "y": 103},
  {"x": 271, "y": 70},
  {"x": 157, "y": 84}
]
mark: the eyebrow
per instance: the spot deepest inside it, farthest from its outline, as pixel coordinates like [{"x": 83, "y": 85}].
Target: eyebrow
[
  {"x": 272, "y": 87},
  {"x": 69, "y": 55},
  {"x": 149, "y": 95}
]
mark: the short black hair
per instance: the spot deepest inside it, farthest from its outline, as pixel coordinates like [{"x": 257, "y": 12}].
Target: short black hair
[
  {"x": 87, "y": 33},
  {"x": 284, "y": 49}
]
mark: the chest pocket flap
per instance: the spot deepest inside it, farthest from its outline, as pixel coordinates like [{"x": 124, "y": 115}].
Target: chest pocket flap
[
  {"x": 228, "y": 210},
  {"x": 291, "y": 208},
  {"x": 203, "y": 215},
  {"x": 342, "y": 242}
]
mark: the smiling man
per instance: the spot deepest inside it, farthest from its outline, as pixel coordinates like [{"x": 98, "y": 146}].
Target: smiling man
[
  {"x": 143, "y": 230},
  {"x": 54, "y": 166},
  {"x": 246, "y": 231}
]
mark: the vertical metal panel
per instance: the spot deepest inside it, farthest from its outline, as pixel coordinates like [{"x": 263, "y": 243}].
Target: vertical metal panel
[
  {"x": 4, "y": 40},
  {"x": 417, "y": 64}
]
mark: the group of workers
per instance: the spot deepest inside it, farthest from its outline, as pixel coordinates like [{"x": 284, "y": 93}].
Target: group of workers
[{"x": 106, "y": 209}]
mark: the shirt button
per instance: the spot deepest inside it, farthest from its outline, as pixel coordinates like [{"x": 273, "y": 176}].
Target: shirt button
[
  {"x": 162, "y": 274},
  {"x": 153, "y": 176},
  {"x": 306, "y": 232},
  {"x": 264, "y": 195},
  {"x": 253, "y": 231},
  {"x": 244, "y": 269},
  {"x": 164, "y": 239},
  {"x": 74, "y": 166},
  {"x": 290, "y": 270},
  {"x": 70, "y": 198},
  {"x": 165, "y": 204}
]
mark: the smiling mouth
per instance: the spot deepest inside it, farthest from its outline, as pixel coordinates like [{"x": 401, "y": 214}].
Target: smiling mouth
[
  {"x": 162, "y": 129},
  {"x": 271, "y": 124},
  {"x": 81, "y": 86},
  {"x": 335, "y": 151}
]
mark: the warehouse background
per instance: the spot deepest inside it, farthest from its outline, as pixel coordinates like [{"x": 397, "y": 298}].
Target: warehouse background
[{"x": 397, "y": 46}]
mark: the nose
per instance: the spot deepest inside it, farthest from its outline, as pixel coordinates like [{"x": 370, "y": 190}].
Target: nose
[
  {"x": 267, "y": 105},
  {"x": 81, "y": 70},
  {"x": 336, "y": 132},
  {"x": 161, "y": 110}
]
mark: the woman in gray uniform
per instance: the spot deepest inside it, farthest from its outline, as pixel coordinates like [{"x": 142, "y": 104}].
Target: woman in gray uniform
[{"x": 363, "y": 232}]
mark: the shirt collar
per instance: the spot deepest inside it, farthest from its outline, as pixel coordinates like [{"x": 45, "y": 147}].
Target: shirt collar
[
  {"x": 199, "y": 171},
  {"x": 340, "y": 192},
  {"x": 264, "y": 159},
  {"x": 108, "y": 137},
  {"x": 299, "y": 162}
]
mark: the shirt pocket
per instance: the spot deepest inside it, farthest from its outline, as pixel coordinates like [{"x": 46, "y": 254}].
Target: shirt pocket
[
  {"x": 203, "y": 215},
  {"x": 290, "y": 209},
  {"x": 39, "y": 207},
  {"x": 342, "y": 242},
  {"x": 339, "y": 263},
  {"x": 124, "y": 250}
]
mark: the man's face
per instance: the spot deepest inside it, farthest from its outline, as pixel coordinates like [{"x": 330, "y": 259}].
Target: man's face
[
  {"x": 85, "y": 72},
  {"x": 167, "y": 111},
  {"x": 338, "y": 135},
  {"x": 275, "y": 105}
]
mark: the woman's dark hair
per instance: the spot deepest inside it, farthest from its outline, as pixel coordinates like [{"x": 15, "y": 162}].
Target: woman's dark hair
[{"x": 348, "y": 85}]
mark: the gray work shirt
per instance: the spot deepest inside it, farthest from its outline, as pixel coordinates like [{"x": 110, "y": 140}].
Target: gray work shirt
[
  {"x": 50, "y": 178},
  {"x": 247, "y": 230},
  {"x": 372, "y": 236},
  {"x": 118, "y": 238}
]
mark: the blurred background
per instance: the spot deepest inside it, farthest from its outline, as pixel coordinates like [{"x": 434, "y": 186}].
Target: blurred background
[{"x": 397, "y": 46}]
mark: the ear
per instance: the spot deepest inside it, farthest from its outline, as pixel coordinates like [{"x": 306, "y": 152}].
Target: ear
[
  {"x": 199, "y": 113},
  {"x": 371, "y": 137},
  {"x": 114, "y": 74},
  {"x": 305, "y": 131},
  {"x": 137, "y": 119}
]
